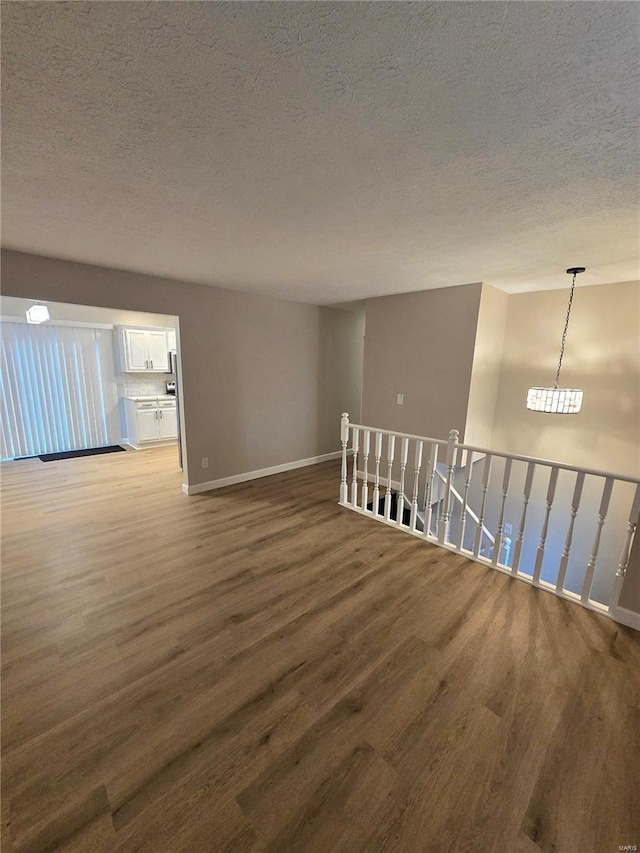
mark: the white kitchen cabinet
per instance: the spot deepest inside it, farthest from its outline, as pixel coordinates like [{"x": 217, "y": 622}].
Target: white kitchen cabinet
[
  {"x": 171, "y": 340},
  {"x": 136, "y": 350},
  {"x": 168, "y": 423},
  {"x": 158, "y": 348},
  {"x": 143, "y": 350},
  {"x": 147, "y": 425},
  {"x": 150, "y": 421}
]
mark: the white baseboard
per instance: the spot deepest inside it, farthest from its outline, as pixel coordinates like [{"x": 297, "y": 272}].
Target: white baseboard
[
  {"x": 210, "y": 485},
  {"x": 626, "y": 617},
  {"x": 149, "y": 445}
]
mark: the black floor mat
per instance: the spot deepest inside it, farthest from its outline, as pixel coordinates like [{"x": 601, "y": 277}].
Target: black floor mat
[{"x": 71, "y": 454}]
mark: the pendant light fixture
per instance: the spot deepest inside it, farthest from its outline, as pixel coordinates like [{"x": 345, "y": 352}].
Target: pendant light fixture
[{"x": 558, "y": 401}]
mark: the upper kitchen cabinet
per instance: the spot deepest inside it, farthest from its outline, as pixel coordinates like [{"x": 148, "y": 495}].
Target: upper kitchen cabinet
[
  {"x": 143, "y": 350},
  {"x": 158, "y": 348}
]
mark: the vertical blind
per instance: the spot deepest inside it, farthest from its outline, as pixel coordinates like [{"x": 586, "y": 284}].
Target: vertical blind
[{"x": 57, "y": 389}]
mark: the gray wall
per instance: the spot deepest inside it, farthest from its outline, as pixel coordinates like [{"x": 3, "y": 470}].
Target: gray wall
[
  {"x": 264, "y": 380},
  {"x": 420, "y": 345}
]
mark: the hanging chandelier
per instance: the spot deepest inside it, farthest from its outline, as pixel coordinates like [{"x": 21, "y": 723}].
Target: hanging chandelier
[{"x": 558, "y": 401}]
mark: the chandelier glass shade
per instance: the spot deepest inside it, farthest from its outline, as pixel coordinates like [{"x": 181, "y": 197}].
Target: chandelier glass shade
[{"x": 555, "y": 400}]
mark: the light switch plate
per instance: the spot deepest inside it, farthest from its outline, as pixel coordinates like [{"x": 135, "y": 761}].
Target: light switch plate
[{"x": 400, "y": 399}]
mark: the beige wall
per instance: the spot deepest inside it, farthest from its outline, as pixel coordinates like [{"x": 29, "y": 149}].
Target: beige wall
[
  {"x": 487, "y": 361},
  {"x": 264, "y": 380},
  {"x": 602, "y": 357},
  {"x": 420, "y": 345},
  {"x": 13, "y": 306}
]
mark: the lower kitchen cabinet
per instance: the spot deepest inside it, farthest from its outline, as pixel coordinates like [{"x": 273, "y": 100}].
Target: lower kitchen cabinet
[
  {"x": 150, "y": 421},
  {"x": 168, "y": 422}
]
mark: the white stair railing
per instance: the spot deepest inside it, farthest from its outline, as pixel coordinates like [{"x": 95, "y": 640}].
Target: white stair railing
[
  {"x": 466, "y": 509},
  {"x": 575, "y": 526}
]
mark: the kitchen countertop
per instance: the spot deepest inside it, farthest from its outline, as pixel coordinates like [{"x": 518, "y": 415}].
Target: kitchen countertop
[{"x": 144, "y": 399}]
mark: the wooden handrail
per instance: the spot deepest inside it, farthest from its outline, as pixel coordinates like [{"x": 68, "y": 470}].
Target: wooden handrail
[{"x": 538, "y": 461}]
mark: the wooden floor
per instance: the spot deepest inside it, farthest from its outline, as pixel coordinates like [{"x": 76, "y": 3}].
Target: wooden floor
[{"x": 259, "y": 669}]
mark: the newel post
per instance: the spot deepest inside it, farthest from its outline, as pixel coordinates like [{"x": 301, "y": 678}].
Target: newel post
[{"x": 344, "y": 438}]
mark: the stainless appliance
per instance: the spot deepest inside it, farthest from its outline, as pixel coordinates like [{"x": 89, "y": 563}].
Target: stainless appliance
[{"x": 175, "y": 390}]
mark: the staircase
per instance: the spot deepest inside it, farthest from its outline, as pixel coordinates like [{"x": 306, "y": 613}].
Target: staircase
[
  {"x": 573, "y": 526},
  {"x": 434, "y": 512}
]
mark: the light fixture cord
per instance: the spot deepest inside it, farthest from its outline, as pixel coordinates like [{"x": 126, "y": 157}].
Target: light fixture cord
[{"x": 564, "y": 334}]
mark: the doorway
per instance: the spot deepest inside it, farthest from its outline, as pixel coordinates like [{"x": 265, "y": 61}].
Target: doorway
[{"x": 86, "y": 379}]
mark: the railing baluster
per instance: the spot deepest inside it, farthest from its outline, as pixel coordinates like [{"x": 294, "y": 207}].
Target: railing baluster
[
  {"x": 428, "y": 488},
  {"x": 602, "y": 517},
  {"x": 626, "y": 550},
  {"x": 486, "y": 474},
  {"x": 531, "y": 467},
  {"x": 427, "y": 475},
  {"x": 404, "y": 455},
  {"x": 551, "y": 491},
  {"x": 344, "y": 436},
  {"x": 416, "y": 485},
  {"x": 497, "y": 545},
  {"x": 354, "y": 478},
  {"x": 445, "y": 518},
  {"x": 391, "y": 444},
  {"x": 365, "y": 469},
  {"x": 376, "y": 482},
  {"x": 507, "y": 550},
  {"x": 463, "y": 508},
  {"x": 575, "y": 506}
]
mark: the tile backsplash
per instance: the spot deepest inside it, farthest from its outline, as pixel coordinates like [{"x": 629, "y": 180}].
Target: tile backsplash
[{"x": 141, "y": 385}]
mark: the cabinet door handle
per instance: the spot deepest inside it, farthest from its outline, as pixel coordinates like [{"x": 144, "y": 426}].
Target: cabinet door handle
[{"x": 152, "y": 365}]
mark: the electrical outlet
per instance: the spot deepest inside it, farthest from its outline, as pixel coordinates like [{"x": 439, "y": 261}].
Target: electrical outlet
[
  {"x": 205, "y": 461},
  {"x": 508, "y": 529},
  {"x": 400, "y": 399}
]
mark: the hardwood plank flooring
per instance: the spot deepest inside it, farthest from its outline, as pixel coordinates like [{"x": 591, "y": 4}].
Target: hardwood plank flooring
[{"x": 258, "y": 669}]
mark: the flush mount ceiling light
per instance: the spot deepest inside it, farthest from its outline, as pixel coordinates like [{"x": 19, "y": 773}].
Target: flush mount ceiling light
[
  {"x": 558, "y": 401},
  {"x": 37, "y": 314}
]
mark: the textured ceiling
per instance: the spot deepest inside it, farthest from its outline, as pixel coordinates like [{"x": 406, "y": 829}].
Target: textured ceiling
[{"x": 326, "y": 151}]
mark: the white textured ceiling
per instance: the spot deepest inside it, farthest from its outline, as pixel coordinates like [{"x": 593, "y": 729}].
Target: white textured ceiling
[{"x": 326, "y": 151}]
